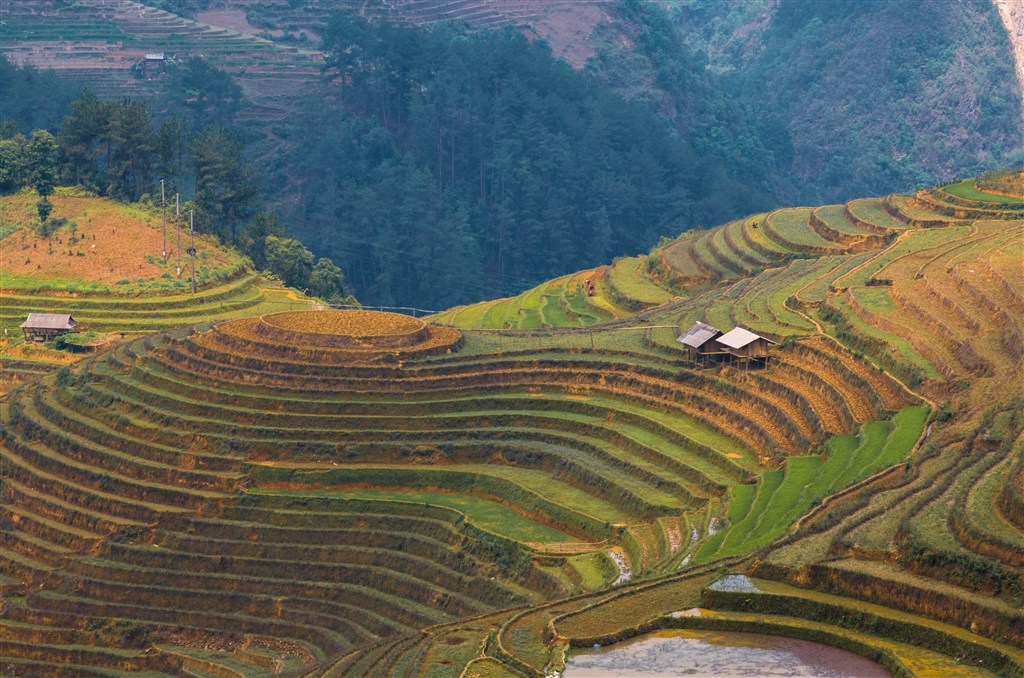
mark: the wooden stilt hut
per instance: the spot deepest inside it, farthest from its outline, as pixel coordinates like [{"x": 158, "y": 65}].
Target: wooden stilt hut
[
  {"x": 701, "y": 342},
  {"x": 742, "y": 344},
  {"x": 47, "y": 326}
]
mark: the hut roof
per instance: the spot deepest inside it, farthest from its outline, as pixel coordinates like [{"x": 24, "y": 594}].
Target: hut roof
[
  {"x": 698, "y": 335},
  {"x": 738, "y": 337},
  {"x": 49, "y": 321}
]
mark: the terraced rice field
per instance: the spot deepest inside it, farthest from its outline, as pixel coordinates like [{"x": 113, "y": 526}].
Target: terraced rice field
[
  {"x": 488, "y": 515},
  {"x": 681, "y": 271},
  {"x": 489, "y": 452},
  {"x": 563, "y": 302},
  {"x": 351, "y": 493},
  {"x": 97, "y": 43},
  {"x": 105, "y": 267},
  {"x": 781, "y": 497}
]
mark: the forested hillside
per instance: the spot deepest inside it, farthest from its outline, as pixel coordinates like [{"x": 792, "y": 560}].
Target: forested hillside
[
  {"x": 451, "y": 168},
  {"x": 871, "y": 95},
  {"x": 644, "y": 57},
  {"x": 444, "y": 158}
]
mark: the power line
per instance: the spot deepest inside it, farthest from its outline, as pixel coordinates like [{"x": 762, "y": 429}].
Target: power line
[
  {"x": 426, "y": 257},
  {"x": 485, "y": 287}
]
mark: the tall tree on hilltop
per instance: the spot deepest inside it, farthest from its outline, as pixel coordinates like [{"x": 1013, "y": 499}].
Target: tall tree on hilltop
[
  {"x": 225, "y": 188},
  {"x": 41, "y": 166},
  {"x": 79, "y": 140},
  {"x": 131, "y": 159},
  {"x": 170, "y": 148},
  {"x": 344, "y": 43}
]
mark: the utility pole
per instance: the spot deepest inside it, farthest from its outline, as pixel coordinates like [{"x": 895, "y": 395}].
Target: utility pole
[
  {"x": 177, "y": 227},
  {"x": 192, "y": 246},
  {"x": 163, "y": 203}
]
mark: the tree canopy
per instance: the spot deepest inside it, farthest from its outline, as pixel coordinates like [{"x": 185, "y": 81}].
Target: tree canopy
[
  {"x": 450, "y": 167},
  {"x": 111, "y": 148}
]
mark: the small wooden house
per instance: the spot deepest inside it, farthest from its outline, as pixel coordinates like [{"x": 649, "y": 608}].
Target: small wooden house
[
  {"x": 154, "y": 64},
  {"x": 744, "y": 344},
  {"x": 47, "y": 326},
  {"x": 701, "y": 342}
]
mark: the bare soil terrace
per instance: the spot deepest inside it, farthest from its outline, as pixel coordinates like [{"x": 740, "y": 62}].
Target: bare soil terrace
[
  {"x": 360, "y": 324},
  {"x": 108, "y": 243},
  {"x": 333, "y": 335}
]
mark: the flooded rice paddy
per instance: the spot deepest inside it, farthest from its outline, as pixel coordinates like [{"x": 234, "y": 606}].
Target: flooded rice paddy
[{"x": 710, "y": 653}]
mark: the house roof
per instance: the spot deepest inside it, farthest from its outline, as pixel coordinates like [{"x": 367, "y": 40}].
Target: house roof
[
  {"x": 49, "y": 321},
  {"x": 738, "y": 337},
  {"x": 698, "y": 335}
]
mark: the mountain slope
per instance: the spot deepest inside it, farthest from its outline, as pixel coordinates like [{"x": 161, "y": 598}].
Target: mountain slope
[
  {"x": 1013, "y": 19},
  {"x": 867, "y": 98},
  {"x": 103, "y": 263},
  {"x": 367, "y": 493},
  {"x": 753, "y": 116}
]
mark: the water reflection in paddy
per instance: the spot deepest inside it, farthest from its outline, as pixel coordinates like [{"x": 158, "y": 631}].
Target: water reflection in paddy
[{"x": 710, "y": 653}]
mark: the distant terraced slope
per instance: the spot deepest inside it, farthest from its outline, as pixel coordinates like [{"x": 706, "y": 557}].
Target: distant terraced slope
[
  {"x": 97, "y": 42},
  {"x": 788, "y": 244},
  {"x": 565, "y": 24},
  {"x": 869, "y": 264}
]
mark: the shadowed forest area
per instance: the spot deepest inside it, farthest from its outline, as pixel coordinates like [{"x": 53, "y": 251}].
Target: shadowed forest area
[{"x": 446, "y": 162}]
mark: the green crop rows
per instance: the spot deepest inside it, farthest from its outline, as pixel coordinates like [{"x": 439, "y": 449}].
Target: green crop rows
[{"x": 468, "y": 499}]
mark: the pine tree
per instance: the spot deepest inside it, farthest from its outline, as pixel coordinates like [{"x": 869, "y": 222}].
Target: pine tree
[{"x": 41, "y": 166}]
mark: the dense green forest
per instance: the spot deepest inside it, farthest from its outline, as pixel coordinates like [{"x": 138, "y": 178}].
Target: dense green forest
[
  {"x": 643, "y": 57},
  {"x": 448, "y": 164},
  {"x": 113, "y": 148},
  {"x": 449, "y": 168},
  {"x": 871, "y": 96}
]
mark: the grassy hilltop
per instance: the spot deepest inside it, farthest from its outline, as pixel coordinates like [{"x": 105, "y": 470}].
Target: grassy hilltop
[
  {"x": 103, "y": 263},
  {"x": 355, "y": 493}
]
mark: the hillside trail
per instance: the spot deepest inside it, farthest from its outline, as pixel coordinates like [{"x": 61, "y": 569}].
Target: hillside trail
[
  {"x": 820, "y": 331},
  {"x": 796, "y": 295},
  {"x": 895, "y": 243}
]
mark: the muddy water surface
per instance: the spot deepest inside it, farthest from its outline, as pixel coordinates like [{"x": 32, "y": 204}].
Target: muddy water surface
[{"x": 708, "y": 653}]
